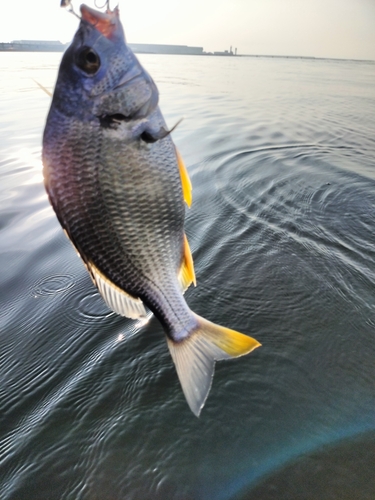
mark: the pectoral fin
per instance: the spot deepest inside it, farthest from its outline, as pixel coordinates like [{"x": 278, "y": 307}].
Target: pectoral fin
[
  {"x": 148, "y": 132},
  {"x": 116, "y": 299}
]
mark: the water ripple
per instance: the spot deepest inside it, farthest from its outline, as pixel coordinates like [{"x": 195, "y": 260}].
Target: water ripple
[
  {"x": 52, "y": 285},
  {"x": 281, "y": 159}
]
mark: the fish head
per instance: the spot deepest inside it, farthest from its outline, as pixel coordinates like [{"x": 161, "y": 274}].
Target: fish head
[
  {"x": 99, "y": 74},
  {"x": 107, "y": 23}
]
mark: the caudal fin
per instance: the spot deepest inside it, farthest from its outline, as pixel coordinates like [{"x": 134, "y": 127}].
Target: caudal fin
[{"x": 195, "y": 358}]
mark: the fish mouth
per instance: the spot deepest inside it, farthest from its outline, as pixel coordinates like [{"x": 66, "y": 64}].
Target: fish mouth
[
  {"x": 107, "y": 23},
  {"x": 129, "y": 77}
]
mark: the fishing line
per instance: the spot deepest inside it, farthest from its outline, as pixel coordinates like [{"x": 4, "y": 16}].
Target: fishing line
[
  {"x": 106, "y": 4},
  {"x": 68, "y": 5}
]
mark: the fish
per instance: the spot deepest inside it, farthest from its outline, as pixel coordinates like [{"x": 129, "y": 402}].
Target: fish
[{"x": 119, "y": 188}]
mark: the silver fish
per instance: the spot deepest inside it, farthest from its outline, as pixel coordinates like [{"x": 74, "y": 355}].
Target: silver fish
[{"x": 119, "y": 188}]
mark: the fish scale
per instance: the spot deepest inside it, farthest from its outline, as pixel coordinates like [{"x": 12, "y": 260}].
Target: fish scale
[
  {"x": 118, "y": 187},
  {"x": 128, "y": 207}
]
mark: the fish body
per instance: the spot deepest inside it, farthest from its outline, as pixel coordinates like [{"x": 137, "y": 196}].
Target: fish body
[{"x": 119, "y": 186}]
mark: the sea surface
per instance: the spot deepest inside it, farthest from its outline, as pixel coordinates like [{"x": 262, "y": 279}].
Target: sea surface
[{"x": 281, "y": 154}]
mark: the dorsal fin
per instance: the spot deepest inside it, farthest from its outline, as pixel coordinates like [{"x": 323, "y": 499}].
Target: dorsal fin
[
  {"x": 185, "y": 180},
  {"x": 186, "y": 275},
  {"x": 116, "y": 299}
]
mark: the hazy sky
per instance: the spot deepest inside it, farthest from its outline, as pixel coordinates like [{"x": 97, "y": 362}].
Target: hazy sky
[{"x": 320, "y": 28}]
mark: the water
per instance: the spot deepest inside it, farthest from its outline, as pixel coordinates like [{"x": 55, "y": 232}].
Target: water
[{"x": 281, "y": 153}]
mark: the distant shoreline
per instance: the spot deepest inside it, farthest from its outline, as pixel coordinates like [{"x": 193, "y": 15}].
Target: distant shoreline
[
  {"x": 143, "y": 48},
  {"x": 139, "y": 48}
]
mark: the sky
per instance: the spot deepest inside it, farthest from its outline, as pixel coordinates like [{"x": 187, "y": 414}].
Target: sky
[{"x": 313, "y": 28}]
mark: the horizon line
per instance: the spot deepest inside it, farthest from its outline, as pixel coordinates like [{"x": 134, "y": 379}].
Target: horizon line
[{"x": 216, "y": 53}]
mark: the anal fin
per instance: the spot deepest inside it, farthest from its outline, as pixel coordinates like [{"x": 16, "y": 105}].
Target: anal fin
[
  {"x": 117, "y": 299},
  {"x": 186, "y": 275}
]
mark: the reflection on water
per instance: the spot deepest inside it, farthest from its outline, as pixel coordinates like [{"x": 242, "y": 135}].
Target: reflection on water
[
  {"x": 281, "y": 154},
  {"x": 344, "y": 471}
]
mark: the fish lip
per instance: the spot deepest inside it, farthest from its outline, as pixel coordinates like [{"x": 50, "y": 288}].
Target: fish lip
[
  {"x": 89, "y": 14},
  {"x": 107, "y": 23},
  {"x": 128, "y": 77}
]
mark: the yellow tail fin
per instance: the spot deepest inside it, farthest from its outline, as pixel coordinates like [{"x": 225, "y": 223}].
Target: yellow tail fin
[{"x": 195, "y": 358}]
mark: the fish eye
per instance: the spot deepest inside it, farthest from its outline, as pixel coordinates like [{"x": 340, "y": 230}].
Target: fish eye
[{"x": 88, "y": 60}]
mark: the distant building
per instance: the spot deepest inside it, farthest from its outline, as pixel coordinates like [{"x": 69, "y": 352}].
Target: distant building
[
  {"x": 54, "y": 43},
  {"x": 151, "y": 48},
  {"x": 139, "y": 48},
  {"x": 33, "y": 46},
  {"x": 226, "y": 52}
]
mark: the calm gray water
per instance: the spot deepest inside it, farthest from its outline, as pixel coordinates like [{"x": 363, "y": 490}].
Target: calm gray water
[{"x": 281, "y": 154}]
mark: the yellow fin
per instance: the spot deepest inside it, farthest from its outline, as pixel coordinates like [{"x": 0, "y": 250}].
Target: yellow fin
[
  {"x": 185, "y": 180},
  {"x": 186, "y": 275},
  {"x": 117, "y": 299},
  {"x": 195, "y": 356},
  {"x": 233, "y": 343}
]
